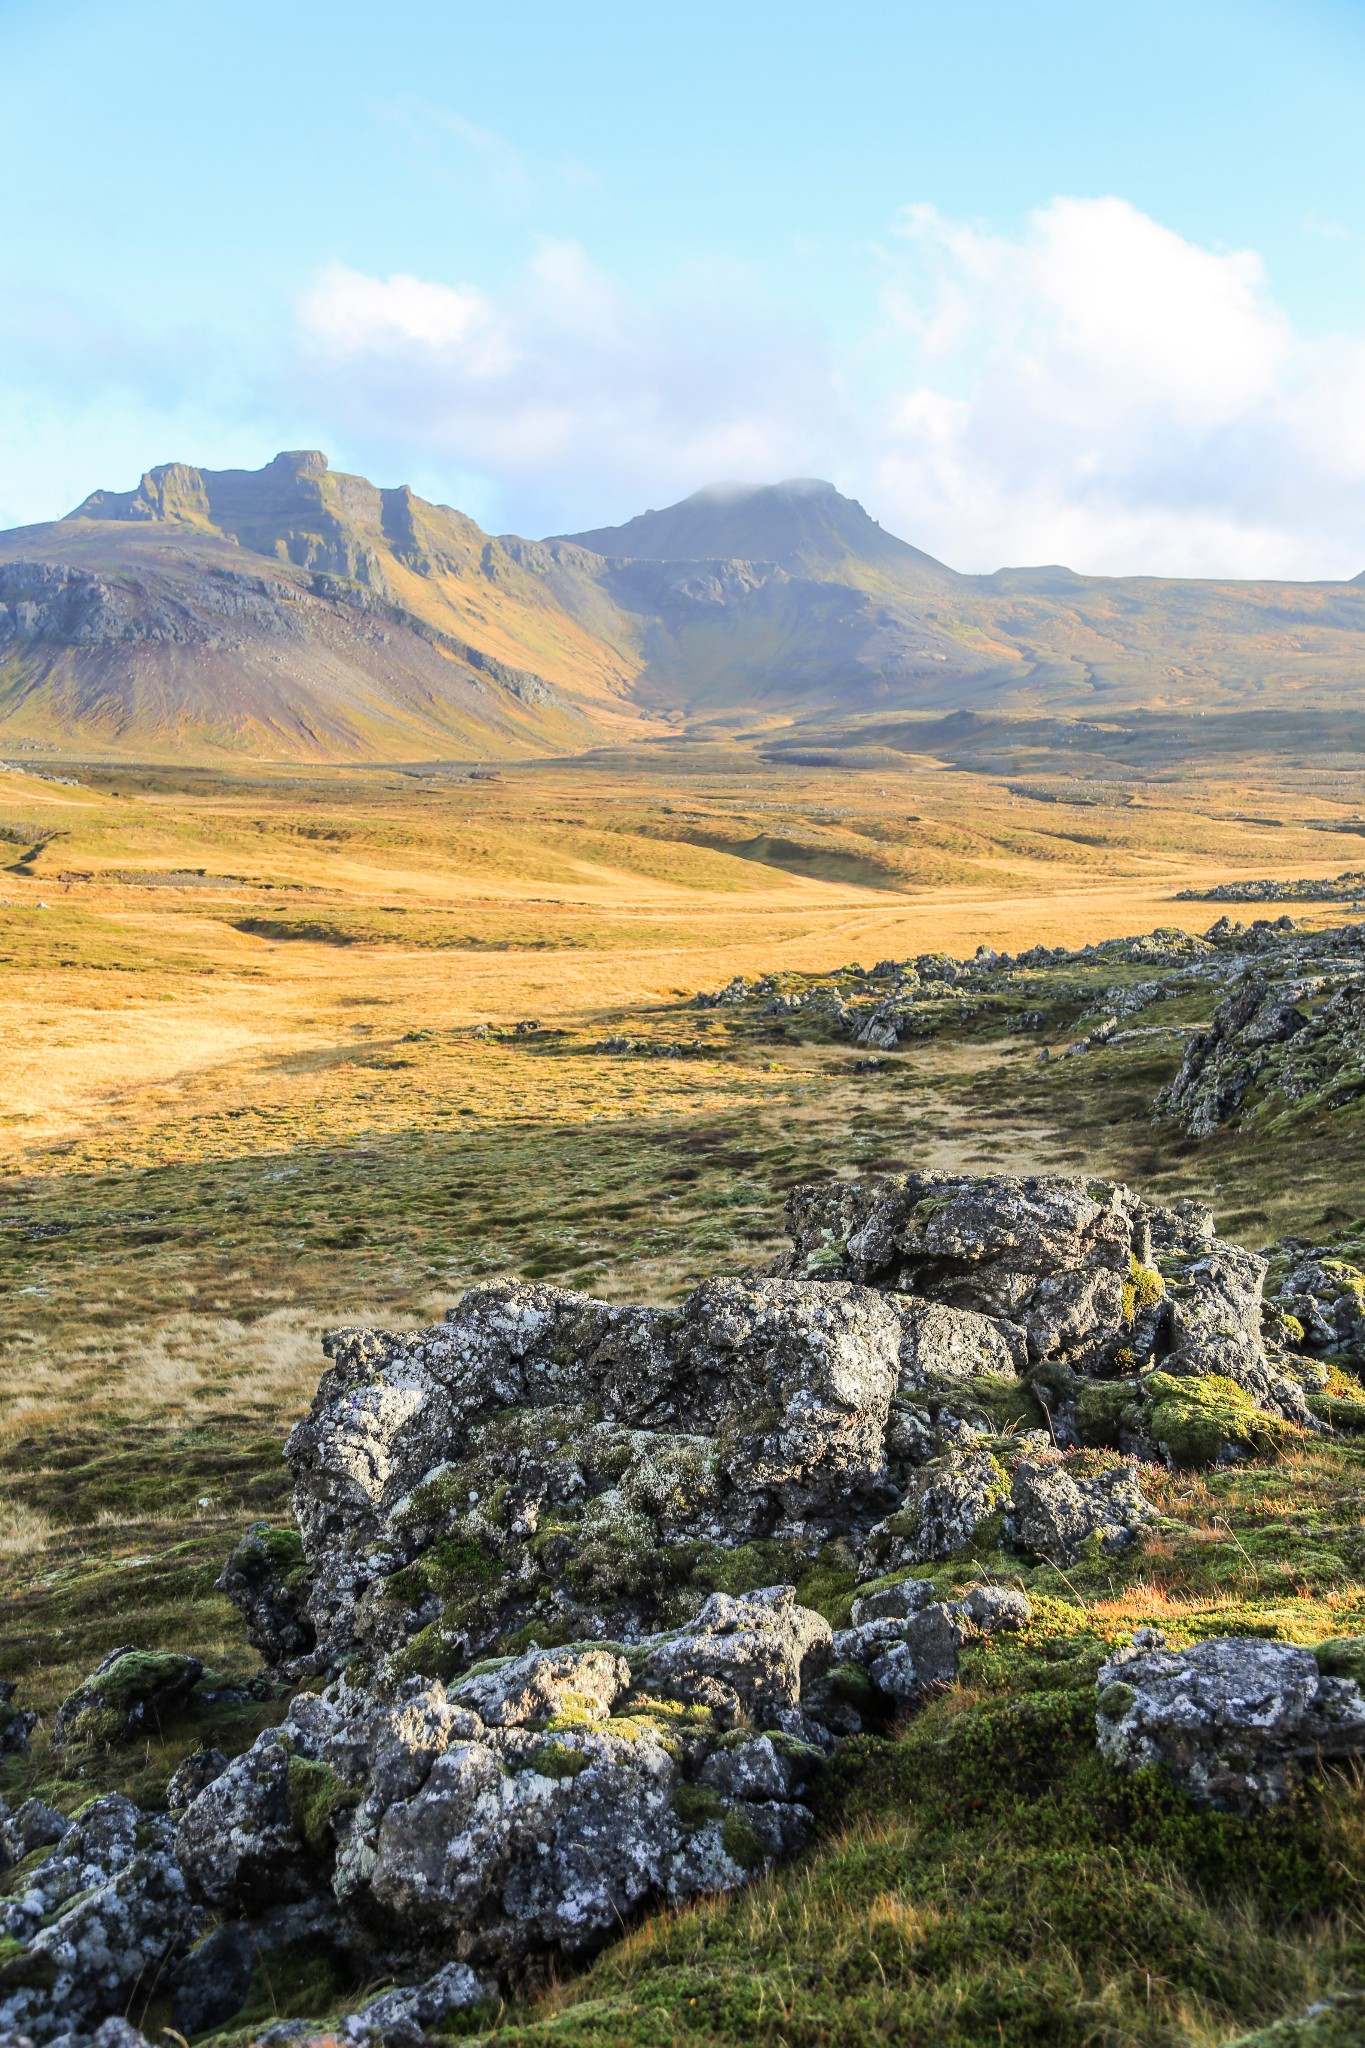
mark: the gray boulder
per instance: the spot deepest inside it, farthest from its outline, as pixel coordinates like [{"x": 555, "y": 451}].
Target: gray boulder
[
  {"x": 747, "y": 1656},
  {"x": 95, "y": 1955},
  {"x": 584, "y": 1684},
  {"x": 408, "y": 2016},
  {"x": 946, "y": 1503},
  {"x": 924, "y": 1659},
  {"x": 16, "y": 1723},
  {"x": 1229, "y": 1720},
  {"x": 1055, "y": 1513},
  {"x": 189, "y": 1779},
  {"x": 939, "y": 1343},
  {"x": 210, "y": 1983},
  {"x": 267, "y": 1581},
  {"x": 238, "y": 1842}
]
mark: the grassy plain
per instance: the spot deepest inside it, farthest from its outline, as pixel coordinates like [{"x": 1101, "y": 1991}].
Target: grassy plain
[{"x": 262, "y": 1074}]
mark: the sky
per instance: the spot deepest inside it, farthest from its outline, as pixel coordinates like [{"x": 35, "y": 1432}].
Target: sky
[{"x": 1064, "y": 283}]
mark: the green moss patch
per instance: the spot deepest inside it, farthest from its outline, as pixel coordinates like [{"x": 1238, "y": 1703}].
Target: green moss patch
[{"x": 315, "y": 1795}]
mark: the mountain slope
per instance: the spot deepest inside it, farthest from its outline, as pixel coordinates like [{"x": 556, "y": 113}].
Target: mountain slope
[
  {"x": 297, "y": 611},
  {"x": 803, "y": 526},
  {"x": 818, "y": 610}
]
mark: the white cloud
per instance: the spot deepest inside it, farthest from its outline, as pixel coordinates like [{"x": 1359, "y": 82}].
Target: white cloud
[
  {"x": 1100, "y": 391},
  {"x": 1095, "y": 389},
  {"x": 348, "y": 314},
  {"x": 574, "y": 402}
]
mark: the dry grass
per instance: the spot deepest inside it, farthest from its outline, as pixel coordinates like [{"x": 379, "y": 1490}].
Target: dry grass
[
  {"x": 561, "y": 894},
  {"x": 24, "y": 1530}
]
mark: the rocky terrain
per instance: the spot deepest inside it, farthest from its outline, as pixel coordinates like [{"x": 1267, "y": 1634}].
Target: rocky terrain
[
  {"x": 1344, "y": 888},
  {"x": 1286, "y": 1037},
  {"x": 547, "y": 1630}
]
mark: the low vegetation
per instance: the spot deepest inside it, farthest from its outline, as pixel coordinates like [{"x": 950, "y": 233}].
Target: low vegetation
[{"x": 400, "y": 1036}]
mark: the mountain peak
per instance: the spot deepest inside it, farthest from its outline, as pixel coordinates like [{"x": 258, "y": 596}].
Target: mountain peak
[
  {"x": 803, "y": 525},
  {"x": 179, "y": 490}
]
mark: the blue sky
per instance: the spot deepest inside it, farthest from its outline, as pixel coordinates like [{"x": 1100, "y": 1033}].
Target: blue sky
[{"x": 1061, "y": 282}]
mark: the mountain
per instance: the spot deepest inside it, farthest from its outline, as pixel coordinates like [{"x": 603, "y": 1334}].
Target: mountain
[
  {"x": 296, "y": 612},
  {"x": 789, "y": 599},
  {"x": 803, "y": 526}
]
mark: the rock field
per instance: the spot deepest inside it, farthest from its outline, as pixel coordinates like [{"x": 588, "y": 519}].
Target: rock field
[{"x": 536, "y": 1622}]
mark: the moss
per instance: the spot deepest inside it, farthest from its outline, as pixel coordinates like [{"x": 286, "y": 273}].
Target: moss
[
  {"x": 1342, "y": 1657},
  {"x": 1003, "y": 1405},
  {"x": 697, "y": 1804},
  {"x": 1147, "y": 1284},
  {"x": 1106, "y": 1408},
  {"x": 1116, "y": 1699},
  {"x": 1195, "y": 1418},
  {"x": 20, "y": 1969},
  {"x": 557, "y": 1760},
  {"x": 139, "y": 1676},
  {"x": 283, "y": 1546},
  {"x": 315, "y": 1794},
  {"x": 850, "y": 1686},
  {"x": 740, "y": 1842},
  {"x": 1342, "y": 1412}
]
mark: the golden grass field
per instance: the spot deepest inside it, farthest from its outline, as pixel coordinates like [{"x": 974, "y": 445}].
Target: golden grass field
[{"x": 139, "y": 1020}]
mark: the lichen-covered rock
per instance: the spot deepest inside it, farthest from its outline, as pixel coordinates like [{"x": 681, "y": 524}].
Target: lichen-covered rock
[
  {"x": 189, "y": 1779},
  {"x": 582, "y": 1794},
  {"x": 1228, "y": 1719},
  {"x": 1056, "y": 1511},
  {"x": 744, "y": 1656},
  {"x": 760, "y": 1405},
  {"x": 16, "y": 1723},
  {"x": 579, "y": 1685},
  {"x": 1271, "y": 1044},
  {"x": 1326, "y": 1296},
  {"x": 104, "y": 1916},
  {"x": 238, "y": 1843},
  {"x": 911, "y": 1649},
  {"x": 129, "y": 1693},
  {"x": 947, "y": 1503},
  {"x": 267, "y": 1581},
  {"x": 209, "y": 1984},
  {"x": 941, "y": 1343},
  {"x": 924, "y": 1656},
  {"x": 408, "y": 2016},
  {"x": 895, "y": 1603}
]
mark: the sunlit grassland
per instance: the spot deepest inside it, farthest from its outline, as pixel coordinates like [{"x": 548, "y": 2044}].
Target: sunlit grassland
[{"x": 246, "y": 1104}]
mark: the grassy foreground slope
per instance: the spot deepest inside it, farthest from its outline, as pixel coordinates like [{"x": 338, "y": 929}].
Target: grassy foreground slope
[{"x": 263, "y": 1075}]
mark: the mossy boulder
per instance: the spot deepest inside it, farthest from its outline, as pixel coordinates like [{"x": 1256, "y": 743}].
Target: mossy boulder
[
  {"x": 268, "y": 1582},
  {"x": 129, "y": 1694},
  {"x": 1200, "y": 1420}
]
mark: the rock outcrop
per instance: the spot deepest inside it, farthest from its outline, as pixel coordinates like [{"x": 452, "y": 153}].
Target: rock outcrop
[
  {"x": 1230, "y": 1719},
  {"x": 543, "y": 1590}
]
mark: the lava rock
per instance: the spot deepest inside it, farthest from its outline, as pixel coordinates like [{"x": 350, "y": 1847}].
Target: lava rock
[
  {"x": 1227, "y": 1719},
  {"x": 1056, "y": 1513},
  {"x": 129, "y": 1693}
]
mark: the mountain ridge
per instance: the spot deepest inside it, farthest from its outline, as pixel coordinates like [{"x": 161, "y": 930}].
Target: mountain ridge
[{"x": 298, "y": 611}]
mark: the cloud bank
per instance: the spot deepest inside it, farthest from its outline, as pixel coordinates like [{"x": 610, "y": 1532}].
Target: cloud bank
[{"x": 1095, "y": 390}]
